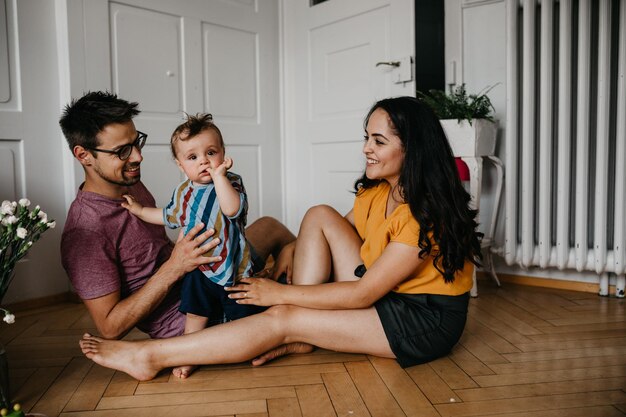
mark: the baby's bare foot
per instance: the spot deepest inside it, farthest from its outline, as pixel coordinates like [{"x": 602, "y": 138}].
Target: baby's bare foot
[
  {"x": 129, "y": 357},
  {"x": 183, "y": 372},
  {"x": 282, "y": 350}
]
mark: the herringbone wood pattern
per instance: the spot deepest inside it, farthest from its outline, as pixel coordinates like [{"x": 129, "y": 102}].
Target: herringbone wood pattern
[{"x": 525, "y": 352}]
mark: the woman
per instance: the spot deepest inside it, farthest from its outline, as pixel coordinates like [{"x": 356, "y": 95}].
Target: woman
[{"x": 400, "y": 262}]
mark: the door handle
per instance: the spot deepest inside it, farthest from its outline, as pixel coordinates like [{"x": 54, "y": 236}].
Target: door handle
[
  {"x": 402, "y": 70},
  {"x": 390, "y": 63}
]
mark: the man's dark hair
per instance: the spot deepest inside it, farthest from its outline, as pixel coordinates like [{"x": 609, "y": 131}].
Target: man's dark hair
[{"x": 84, "y": 118}]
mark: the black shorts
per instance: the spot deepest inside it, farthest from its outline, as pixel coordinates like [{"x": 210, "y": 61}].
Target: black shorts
[
  {"x": 203, "y": 297},
  {"x": 422, "y": 327}
]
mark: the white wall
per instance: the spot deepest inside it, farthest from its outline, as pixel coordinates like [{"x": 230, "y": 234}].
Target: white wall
[{"x": 31, "y": 143}]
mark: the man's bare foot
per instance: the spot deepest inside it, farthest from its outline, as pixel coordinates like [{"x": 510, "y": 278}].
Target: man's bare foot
[
  {"x": 282, "y": 350},
  {"x": 183, "y": 372},
  {"x": 129, "y": 357}
]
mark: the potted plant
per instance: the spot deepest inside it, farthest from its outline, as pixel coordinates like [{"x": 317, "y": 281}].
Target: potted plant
[{"x": 466, "y": 119}]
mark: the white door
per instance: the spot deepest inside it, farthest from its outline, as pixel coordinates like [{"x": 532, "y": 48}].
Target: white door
[
  {"x": 331, "y": 80},
  {"x": 188, "y": 56}
]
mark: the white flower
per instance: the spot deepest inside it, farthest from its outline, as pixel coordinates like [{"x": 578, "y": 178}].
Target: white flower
[
  {"x": 43, "y": 216},
  {"x": 52, "y": 224},
  {"x": 24, "y": 202},
  {"x": 6, "y": 207},
  {"x": 21, "y": 232},
  {"x": 9, "y": 318},
  {"x": 33, "y": 213},
  {"x": 9, "y": 220}
]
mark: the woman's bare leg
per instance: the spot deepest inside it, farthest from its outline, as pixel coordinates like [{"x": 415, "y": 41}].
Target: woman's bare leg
[
  {"x": 327, "y": 244},
  {"x": 358, "y": 331}
]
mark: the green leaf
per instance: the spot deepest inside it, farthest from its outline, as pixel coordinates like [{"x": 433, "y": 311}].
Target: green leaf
[{"x": 458, "y": 104}]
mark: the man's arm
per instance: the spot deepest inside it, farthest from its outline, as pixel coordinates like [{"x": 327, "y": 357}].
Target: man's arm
[{"x": 114, "y": 316}]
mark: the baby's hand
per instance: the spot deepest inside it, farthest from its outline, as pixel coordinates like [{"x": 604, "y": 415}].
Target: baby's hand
[
  {"x": 221, "y": 169},
  {"x": 132, "y": 205}
]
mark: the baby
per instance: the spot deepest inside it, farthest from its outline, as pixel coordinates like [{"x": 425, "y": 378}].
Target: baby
[{"x": 216, "y": 197}]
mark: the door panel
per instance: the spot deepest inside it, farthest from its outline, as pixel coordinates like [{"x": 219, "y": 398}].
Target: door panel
[
  {"x": 232, "y": 89},
  {"x": 342, "y": 78},
  {"x": 344, "y": 165},
  {"x": 146, "y": 52},
  {"x": 331, "y": 81}
]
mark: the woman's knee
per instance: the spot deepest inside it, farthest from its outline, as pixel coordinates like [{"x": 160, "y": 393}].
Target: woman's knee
[{"x": 321, "y": 213}]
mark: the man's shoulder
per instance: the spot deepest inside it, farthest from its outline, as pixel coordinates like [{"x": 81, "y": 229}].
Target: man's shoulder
[{"x": 92, "y": 212}]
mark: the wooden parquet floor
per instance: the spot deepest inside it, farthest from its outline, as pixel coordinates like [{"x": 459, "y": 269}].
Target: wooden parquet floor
[{"x": 526, "y": 352}]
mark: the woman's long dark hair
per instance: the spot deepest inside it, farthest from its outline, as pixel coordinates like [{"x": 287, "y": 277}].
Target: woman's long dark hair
[{"x": 430, "y": 184}]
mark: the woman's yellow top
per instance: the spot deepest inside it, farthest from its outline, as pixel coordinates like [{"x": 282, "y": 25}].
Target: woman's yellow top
[{"x": 377, "y": 231}]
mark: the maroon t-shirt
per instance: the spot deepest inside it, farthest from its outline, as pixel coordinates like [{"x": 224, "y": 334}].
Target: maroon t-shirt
[{"x": 104, "y": 248}]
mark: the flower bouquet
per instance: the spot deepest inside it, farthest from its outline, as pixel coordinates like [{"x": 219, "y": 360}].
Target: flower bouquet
[{"x": 19, "y": 229}]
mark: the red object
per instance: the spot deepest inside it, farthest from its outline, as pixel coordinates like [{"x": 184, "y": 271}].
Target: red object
[{"x": 462, "y": 168}]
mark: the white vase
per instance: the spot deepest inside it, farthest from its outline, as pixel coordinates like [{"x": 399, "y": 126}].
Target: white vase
[{"x": 475, "y": 139}]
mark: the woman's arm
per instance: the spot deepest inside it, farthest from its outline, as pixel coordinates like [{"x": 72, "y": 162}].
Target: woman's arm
[{"x": 398, "y": 262}]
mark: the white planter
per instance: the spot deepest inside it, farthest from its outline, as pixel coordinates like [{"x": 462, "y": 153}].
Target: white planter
[{"x": 477, "y": 139}]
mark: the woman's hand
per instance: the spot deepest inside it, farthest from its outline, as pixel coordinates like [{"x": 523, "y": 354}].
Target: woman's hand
[
  {"x": 284, "y": 262},
  {"x": 257, "y": 291}
]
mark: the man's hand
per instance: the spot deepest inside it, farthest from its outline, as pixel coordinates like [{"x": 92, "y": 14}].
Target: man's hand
[
  {"x": 284, "y": 262},
  {"x": 188, "y": 253}
]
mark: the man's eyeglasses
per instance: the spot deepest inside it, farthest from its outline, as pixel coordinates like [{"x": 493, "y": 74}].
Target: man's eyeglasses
[{"x": 124, "y": 152}]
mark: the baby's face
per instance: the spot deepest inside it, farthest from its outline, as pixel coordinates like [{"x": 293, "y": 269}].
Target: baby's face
[{"x": 196, "y": 155}]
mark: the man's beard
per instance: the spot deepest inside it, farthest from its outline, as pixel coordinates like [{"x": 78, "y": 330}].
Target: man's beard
[{"x": 124, "y": 182}]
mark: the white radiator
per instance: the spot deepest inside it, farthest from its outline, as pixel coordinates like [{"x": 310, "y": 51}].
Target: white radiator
[{"x": 566, "y": 136}]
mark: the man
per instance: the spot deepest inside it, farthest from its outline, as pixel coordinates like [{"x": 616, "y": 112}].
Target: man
[{"x": 126, "y": 271}]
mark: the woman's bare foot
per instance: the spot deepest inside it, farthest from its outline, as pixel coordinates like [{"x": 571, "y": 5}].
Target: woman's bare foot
[
  {"x": 129, "y": 357},
  {"x": 282, "y": 350},
  {"x": 183, "y": 372}
]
